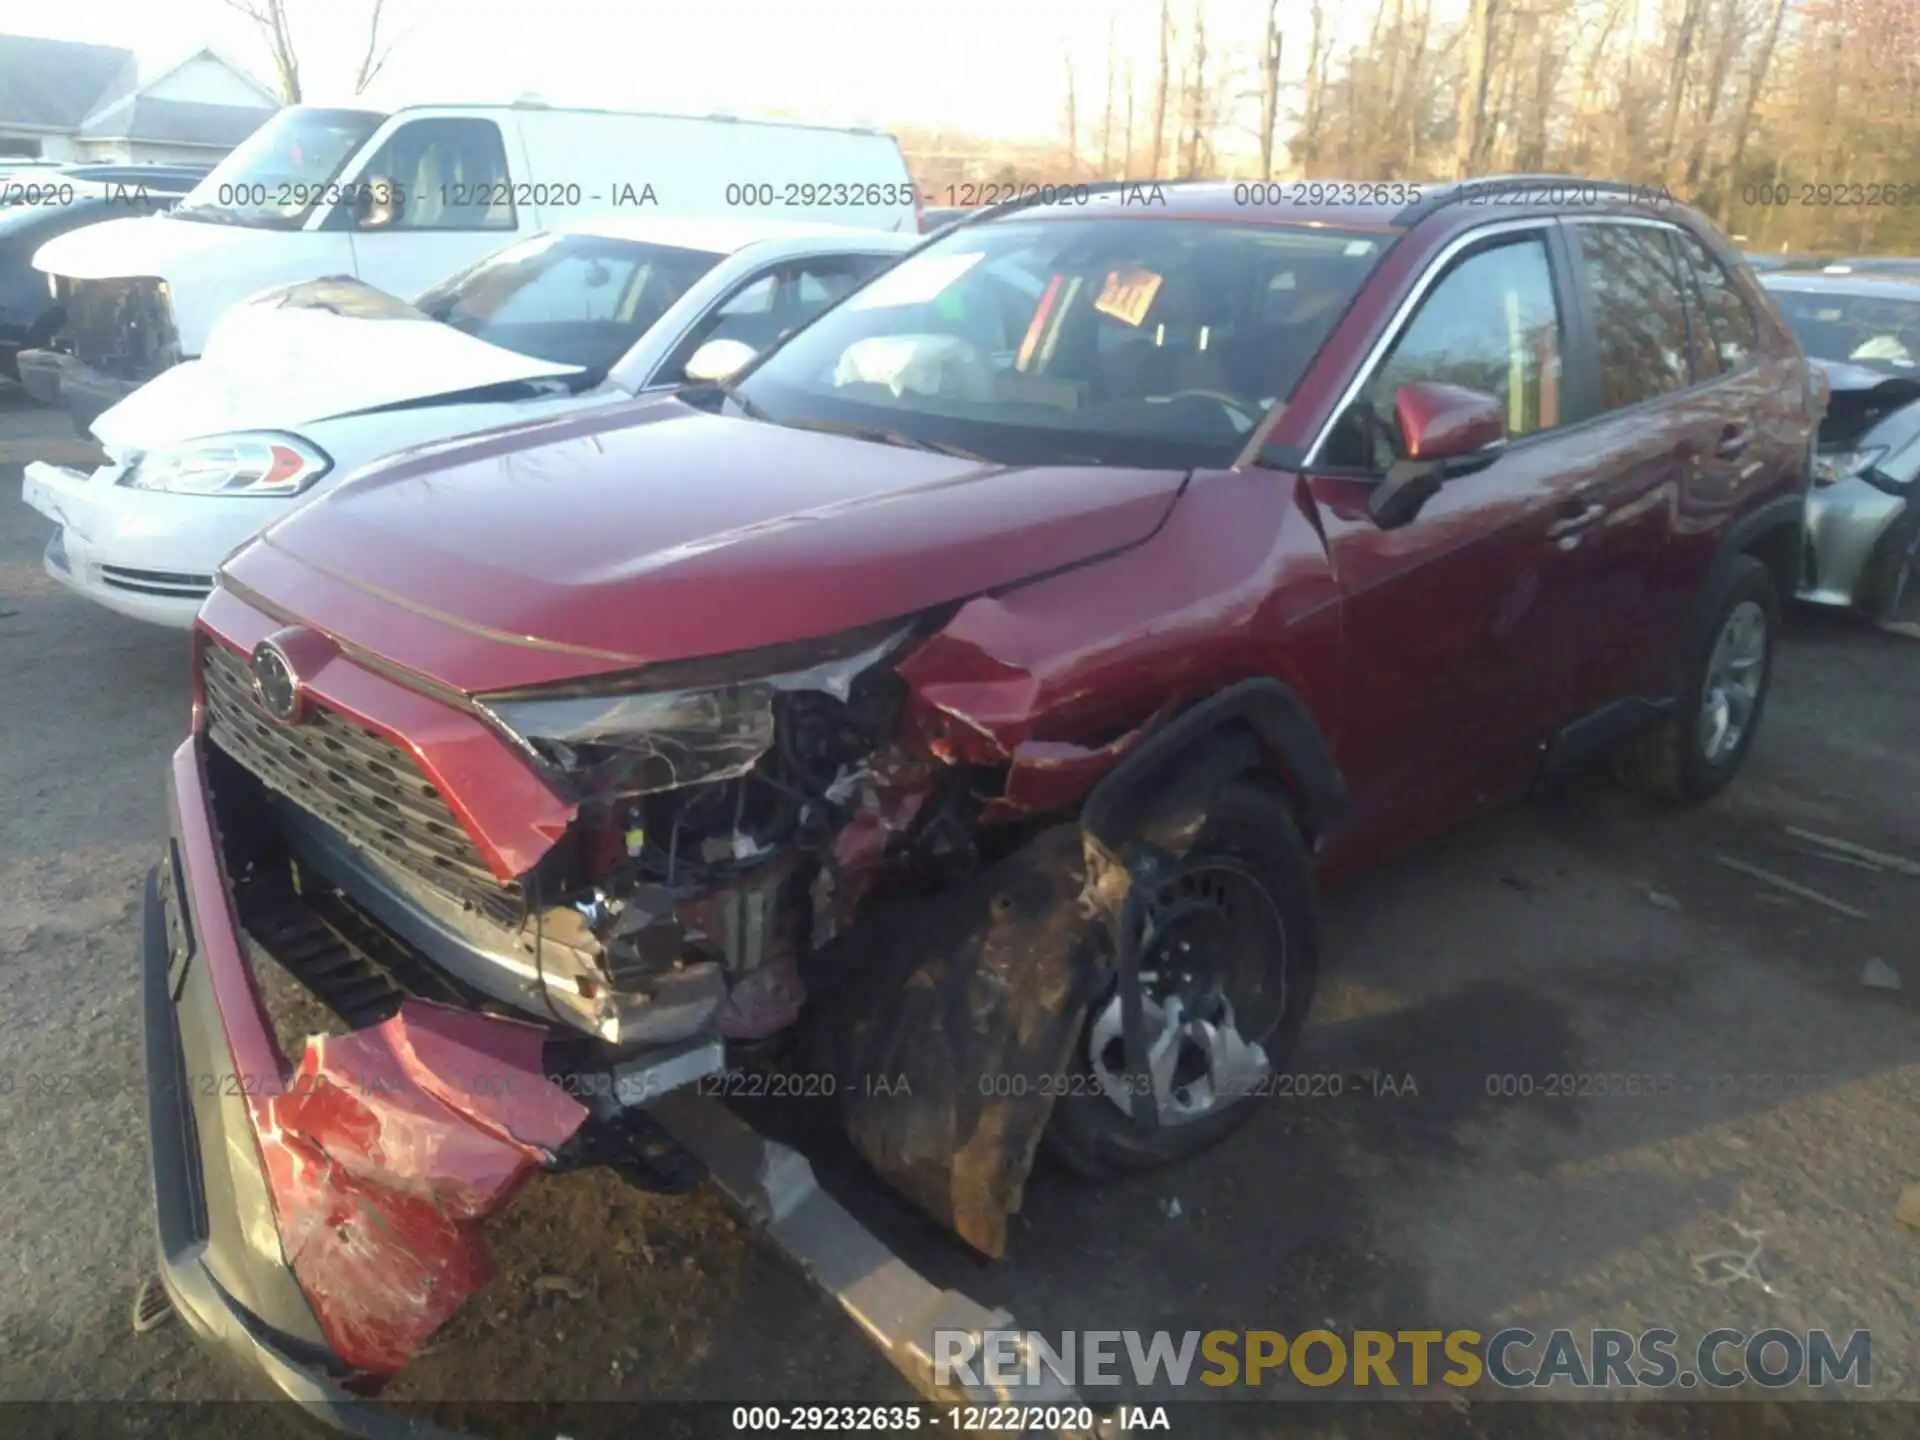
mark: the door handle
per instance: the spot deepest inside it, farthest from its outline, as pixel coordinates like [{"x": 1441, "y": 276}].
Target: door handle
[
  {"x": 1576, "y": 522},
  {"x": 1732, "y": 441}
]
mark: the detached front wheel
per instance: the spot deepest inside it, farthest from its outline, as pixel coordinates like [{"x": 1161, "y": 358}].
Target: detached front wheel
[{"x": 1229, "y": 954}]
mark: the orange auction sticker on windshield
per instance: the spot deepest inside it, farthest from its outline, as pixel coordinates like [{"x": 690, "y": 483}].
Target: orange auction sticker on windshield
[{"x": 1128, "y": 295}]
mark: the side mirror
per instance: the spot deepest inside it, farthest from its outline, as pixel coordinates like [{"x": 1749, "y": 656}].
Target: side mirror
[
  {"x": 1449, "y": 423},
  {"x": 718, "y": 359},
  {"x": 1445, "y": 430},
  {"x": 380, "y": 204}
]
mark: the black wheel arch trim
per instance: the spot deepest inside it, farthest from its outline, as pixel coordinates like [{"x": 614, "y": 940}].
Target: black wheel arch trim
[
  {"x": 1786, "y": 513},
  {"x": 1264, "y": 709}
]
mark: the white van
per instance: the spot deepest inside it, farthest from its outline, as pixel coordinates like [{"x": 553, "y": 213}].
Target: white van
[{"x": 402, "y": 201}]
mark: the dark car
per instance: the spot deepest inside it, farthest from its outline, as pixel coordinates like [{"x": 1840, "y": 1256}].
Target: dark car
[
  {"x": 1761, "y": 261},
  {"x": 29, "y": 315},
  {"x": 1871, "y": 320},
  {"x": 154, "y": 175},
  {"x": 939, "y": 216},
  {"x": 1872, "y": 265},
  {"x": 948, "y": 720},
  {"x": 1863, "y": 519}
]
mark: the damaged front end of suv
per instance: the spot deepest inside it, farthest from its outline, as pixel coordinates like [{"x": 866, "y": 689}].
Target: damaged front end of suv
[
  {"x": 731, "y": 844},
  {"x": 546, "y": 781},
  {"x": 731, "y": 816}
]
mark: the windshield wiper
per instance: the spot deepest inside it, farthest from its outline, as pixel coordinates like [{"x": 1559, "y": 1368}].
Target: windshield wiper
[
  {"x": 206, "y": 212},
  {"x": 886, "y": 436},
  {"x": 747, "y": 407}
]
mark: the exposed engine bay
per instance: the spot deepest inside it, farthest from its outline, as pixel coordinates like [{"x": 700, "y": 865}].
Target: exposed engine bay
[
  {"x": 808, "y": 857},
  {"x": 124, "y": 327},
  {"x": 691, "y": 904}
]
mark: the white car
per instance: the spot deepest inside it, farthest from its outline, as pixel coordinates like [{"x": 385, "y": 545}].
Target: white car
[
  {"x": 301, "y": 385},
  {"x": 401, "y": 200}
]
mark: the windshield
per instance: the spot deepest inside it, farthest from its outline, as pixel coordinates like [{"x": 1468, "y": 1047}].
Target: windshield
[
  {"x": 572, "y": 299},
  {"x": 281, "y": 171},
  {"x": 1156, "y": 342},
  {"x": 1857, "y": 329}
]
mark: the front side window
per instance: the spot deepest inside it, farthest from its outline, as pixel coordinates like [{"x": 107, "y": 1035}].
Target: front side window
[
  {"x": 273, "y": 179},
  {"x": 448, "y": 173},
  {"x": 572, "y": 299},
  {"x": 1639, "y": 318},
  {"x": 1491, "y": 324},
  {"x": 1075, "y": 340}
]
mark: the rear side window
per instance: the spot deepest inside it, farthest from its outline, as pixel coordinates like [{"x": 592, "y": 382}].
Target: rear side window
[
  {"x": 1491, "y": 324},
  {"x": 1731, "y": 335},
  {"x": 1639, "y": 317},
  {"x": 779, "y": 300}
]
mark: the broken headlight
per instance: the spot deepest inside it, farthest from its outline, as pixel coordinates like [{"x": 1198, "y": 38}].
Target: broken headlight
[
  {"x": 1834, "y": 466},
  {"x": 681, "y": 724}
]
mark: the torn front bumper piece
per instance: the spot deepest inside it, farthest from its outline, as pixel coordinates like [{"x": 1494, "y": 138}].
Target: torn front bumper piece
[
  {"x": 317, "y": 1222},
  {"x": 955, "y": 1044},
  {"x": 326, "y": 1214}
]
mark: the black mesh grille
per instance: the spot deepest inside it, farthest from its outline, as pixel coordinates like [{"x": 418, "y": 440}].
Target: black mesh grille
[{"x": 358, "y": 782}]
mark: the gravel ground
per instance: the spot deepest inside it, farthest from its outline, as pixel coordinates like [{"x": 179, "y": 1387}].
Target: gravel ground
[{"x": 1581, "y": 935}]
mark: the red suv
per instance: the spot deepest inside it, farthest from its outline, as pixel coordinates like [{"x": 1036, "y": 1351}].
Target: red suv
[{"x": 947, "y": 720}]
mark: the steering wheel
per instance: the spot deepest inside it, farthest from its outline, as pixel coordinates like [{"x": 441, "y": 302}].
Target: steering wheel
[{"x": 1233, "y": 405}]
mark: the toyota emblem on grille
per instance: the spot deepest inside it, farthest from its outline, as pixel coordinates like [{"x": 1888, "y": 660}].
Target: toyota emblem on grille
[{"x": 275, "y": 685}]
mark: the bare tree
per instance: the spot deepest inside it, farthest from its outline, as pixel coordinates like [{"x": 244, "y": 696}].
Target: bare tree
[
  {"x": 1195, "y": 98},
  {"x": 1676, "y": 81},
  {"x": 1544, "y": 19},
  {"x": 1106, "y": 115},
  {"x": 1727, "y": 43},
  {"x": 1587, "y": 104},
  {"x": 272, "y": 19},
  {"x": 1269, "y": 87},
  {"x": 1073, "y": 125},
  {"x": 270, "y": 16},
  {"x": 374, "y": 58},
  {"x": 1756, "y": 82},
  {"x": 1160, "y": 88},
  {"x": 1416, "y": 88},
  {"x": 1126, "y": 163},
  {"x": 1471, "y": 131},
  {"x": 1319, "y": 59}
]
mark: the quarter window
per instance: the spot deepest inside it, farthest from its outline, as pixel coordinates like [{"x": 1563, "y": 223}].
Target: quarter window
[
  {"x": 1729, "y": 323},
  {"x": 1640, "y": 319},
  {"x": 447, "y": 174},
  {"x": 1491, "y": 324}
]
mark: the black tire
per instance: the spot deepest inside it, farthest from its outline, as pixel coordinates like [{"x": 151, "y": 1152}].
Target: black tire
[
  {"x": 1669, "y": 763},
  {"x": 1251, "y": 825},
  {"x": 1887, "y": 578}
]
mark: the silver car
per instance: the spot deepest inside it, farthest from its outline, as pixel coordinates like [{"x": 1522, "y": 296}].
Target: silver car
[{"x": 1863, "y": 517}]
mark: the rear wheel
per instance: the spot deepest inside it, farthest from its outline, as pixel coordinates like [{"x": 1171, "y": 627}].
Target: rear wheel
[
  {"x": 1697, "y": 750},
  {"x": 1229, "y": 957}
]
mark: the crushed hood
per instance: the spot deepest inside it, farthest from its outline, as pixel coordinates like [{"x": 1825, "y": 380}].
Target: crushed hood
[
  {"x": 654, "y": 531},
  {"x": 147, "y": 245},
  {"x": 312, "y": 351},
  {"x": 1860, "y": 397}
]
